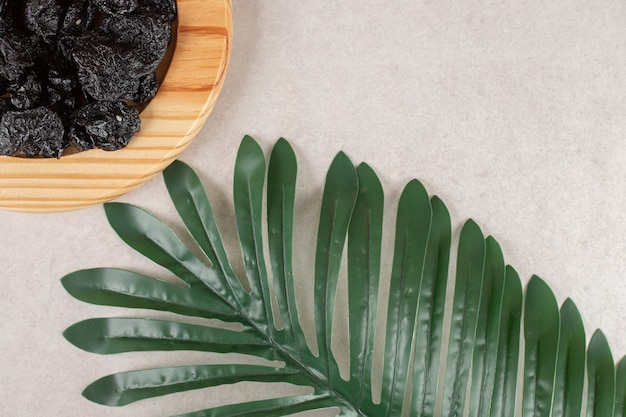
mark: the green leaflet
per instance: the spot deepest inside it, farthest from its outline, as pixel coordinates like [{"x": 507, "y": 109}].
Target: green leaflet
[
  {"x": 116, "y": 335},
  {"x": 117, "y": 287},
  {"x": 128, "y": 387},
  {"x": 601, "y": 381},
  {"x": 481, "y": 368},
  {"x": 505, "y": 383},
  {"x": 248, "y": 197},
  {"x": 485, "y": 360},
  {"x": 541, "y": 333},
  {"x": 194, "y": 209},
  {"x": 338, "y": 201},
  {"x": 570, "y": 372},
  {"x": 467, "y": 293},
  {"x": 281, "y": 189},
  {"x": 412, "y": 231},
  {"x": 364, "y": 247},
  {"x": 430, "y": 314}
]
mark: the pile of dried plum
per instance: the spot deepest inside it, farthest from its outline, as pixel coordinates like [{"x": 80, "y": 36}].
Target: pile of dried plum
[{"x": 73, "y": 71}]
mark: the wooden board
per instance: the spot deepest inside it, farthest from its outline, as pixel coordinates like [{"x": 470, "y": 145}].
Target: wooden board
[{"x": 168, "y": 124}]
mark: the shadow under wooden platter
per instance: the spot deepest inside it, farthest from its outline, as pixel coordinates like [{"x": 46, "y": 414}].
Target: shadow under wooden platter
[{"x": 168, "y": 124}]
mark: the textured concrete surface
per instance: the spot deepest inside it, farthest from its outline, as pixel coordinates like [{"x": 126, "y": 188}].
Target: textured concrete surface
[{"x": 513, "y": 112}]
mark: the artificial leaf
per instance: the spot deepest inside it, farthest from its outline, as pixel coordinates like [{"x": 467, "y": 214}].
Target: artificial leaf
[{"x": 492, "y": 319}]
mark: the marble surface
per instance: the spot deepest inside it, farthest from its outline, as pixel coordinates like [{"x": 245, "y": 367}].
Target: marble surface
[{"x": 513, "y": 112}]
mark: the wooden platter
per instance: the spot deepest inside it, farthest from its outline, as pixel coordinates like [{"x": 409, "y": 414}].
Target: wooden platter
[{"x": 168, "y": 124}]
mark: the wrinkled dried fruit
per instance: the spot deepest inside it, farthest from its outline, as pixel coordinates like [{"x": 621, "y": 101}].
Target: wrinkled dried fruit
[
  {"x": 105, "y": 124},
  {"x": 27, "y": 93},
  {"x": 78, "y": 17},
  {"x": 33, "y": 132},
  {"x": 116, "y": 7},
  {"x": 72, "y": 70},
  {"x": 43, "y": 17},
  {"x": 164, "y": 10}
]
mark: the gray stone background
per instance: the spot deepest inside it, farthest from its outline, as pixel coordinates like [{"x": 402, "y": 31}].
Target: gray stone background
[{"x": 513, "y": 112}]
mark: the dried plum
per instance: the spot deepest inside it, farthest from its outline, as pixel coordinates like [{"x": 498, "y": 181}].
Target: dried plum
[
  {"x": 108, "y": 87},
  {"x": 72, "y": 71},
  {"x": 147, "y": 88},
  {"x": 43, "y": 17},
  {"x": 78, "y": 17},
  {"x": 164, "y": 10},
  {"x": 146, "y": 36},
  {"x": 62, "y": 89},
  {"x": 34, "y": 132},
  {"x": 27, "y": 93},
  {"x": 104, "y": 124},
  {"x": 11, "y": 74},
  {"x": 14, "y": 49},
  {"x": 5, "y": 106},
  {"x": 107, "y": 59},
  {"x": 116, "y": 7}
]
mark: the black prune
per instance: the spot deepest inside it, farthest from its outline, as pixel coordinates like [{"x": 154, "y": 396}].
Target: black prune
[
  {"x": 78, "y": 17},
  {"x": 103, "y": 124},
  {"x": 33, "y": 132},
  {"x": 148, "y": 86},
  {"x": 108, "y": 87},
  {"x": 146, "y": 36},
  {"x": 116, "y": 7},
  {"x": 14, "y": 49},
  {"x": 27, "y": 93},
  {"x": 164, "y": 10},
  {"x": 107, "y": 59},
  {"x": 65, "y": 45},
  {"x": 110, "y": 72},
  {"x": 5, "y": 106},
  {"x": 11, "y": 74},
  {"x": 62, "y": 88},
  {"x": 8, "y": 146},
  {"x": 62, "y": 81},
  {"x": 43, "y": 17}
]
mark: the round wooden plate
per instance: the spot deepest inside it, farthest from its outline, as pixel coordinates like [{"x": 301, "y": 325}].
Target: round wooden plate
[{"x": 168, "y": 124}]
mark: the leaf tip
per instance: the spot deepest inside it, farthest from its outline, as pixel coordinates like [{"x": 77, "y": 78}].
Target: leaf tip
[
  {"x": 367, "y": 174},
  {"x": 343, "y": 158},
  {"x": 536, "y": 280},
  {"x": 599, "y": 337},
  {"x": 342, "y": 168},
  {"x": 283, "y": 148},
  {"x": 249, "y": 142},
  {"x": 471, "y": 228},
  {"x": 68, "y": 282},
  {"x": 540, "y": 292},
  {"x": 175, "y": 166},
  {"x": 415, "y": 183},
  {"x": 112, "y": 207},
  {"x": 436, "y": 200},
  {"x": 282, "y": 142},
  {"x": 104, "y": 391},
  {"x": 471, "y": 223},
  {"x": 568, "y": 304}
]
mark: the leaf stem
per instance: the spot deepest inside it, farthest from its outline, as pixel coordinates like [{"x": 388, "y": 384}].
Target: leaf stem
[{"x": 318, "y": 380}]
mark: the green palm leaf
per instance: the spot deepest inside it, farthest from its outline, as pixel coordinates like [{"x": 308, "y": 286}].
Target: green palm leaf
[{"x": 472, "y": 367}]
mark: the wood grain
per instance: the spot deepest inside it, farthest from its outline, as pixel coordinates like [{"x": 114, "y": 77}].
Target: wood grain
[{"x": 168, "y": 124}]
